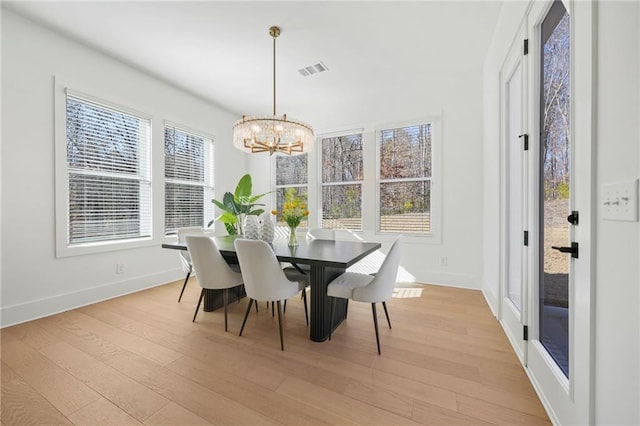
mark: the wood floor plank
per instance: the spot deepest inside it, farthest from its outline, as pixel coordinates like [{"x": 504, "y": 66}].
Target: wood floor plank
[
  {"x": 132, "y": 397},
  {"x": 341, "y": 405},
  {"x": 446, "y": 361},
  {"x": 60, "y": 388},
  {"x": 212, "y": 406},
  {"x": 496, "y": 414},
  {"x": 525, "y": 404},
  {"x": 172, "y": 414},
  {"x": 427, "y": 414},
  {"x": 102, "y": 412},
  {"x": 23, "y": 405},
  {"x": 278, "y": 407}
]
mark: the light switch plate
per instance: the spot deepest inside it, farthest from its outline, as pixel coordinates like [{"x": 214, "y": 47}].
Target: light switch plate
[{"x": 620, "y": 201}]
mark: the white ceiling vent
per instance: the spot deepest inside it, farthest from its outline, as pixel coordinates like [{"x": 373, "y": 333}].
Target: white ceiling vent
[{"x": 313, "y": 69}]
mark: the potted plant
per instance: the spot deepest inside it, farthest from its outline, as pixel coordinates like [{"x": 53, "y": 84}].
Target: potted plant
[{"x": 237, "y": 205}]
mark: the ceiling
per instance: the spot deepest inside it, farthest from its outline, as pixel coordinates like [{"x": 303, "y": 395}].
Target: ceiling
[{"x": 222, "y": 51}]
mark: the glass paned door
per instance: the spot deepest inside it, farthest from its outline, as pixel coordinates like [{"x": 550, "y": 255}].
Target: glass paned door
[{"x": 555, "y": 185}]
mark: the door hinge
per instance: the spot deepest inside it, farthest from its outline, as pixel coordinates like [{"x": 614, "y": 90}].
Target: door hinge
[
  {"x": 526, "y": 140},
  {"x": 525, "y": 332},
  {"x": 526, "y": 238},
  {"x": 526, "y": 46}
]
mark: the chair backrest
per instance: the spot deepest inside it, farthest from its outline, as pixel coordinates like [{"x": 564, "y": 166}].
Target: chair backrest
[
  {"x": 211, "y": 268},
  {"x": 321, "y": 234},
  {"x": 184, "y": 255},
  {"x": 381, "y": 288},
  {"x": 263, "y": 276}
]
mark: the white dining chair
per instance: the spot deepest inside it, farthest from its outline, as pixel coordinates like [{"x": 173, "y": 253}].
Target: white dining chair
[
  {"x": 264, "y": 279},
  {"x": 368, "y": 288},
  {"x": 185, "y": 259},
  {"x": 321, "y": 234},
  {"x": 212, "y": 271}
]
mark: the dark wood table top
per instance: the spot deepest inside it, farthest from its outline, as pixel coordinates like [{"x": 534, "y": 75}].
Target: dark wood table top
[{"x": 326, "y": 253}]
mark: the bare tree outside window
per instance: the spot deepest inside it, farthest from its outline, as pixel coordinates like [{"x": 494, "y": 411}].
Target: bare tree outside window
[
  {"x": 291, "y": 172},
  {"x": 405, "y": 179},
  {"x": 342, "y": 176}
]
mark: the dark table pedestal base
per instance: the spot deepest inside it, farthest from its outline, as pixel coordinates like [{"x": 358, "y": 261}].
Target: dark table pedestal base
[
  {"x": 213, "y": 299},
  {"x": 321, "y": 321}
]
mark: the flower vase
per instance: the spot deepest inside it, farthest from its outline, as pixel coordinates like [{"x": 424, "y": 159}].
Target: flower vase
[
  {"x": 251, "y": 227},
  {"x": 293, "y": 238}
]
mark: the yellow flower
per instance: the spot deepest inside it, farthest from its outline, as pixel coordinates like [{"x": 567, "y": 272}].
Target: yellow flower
[{"x": 274, "y": 212}]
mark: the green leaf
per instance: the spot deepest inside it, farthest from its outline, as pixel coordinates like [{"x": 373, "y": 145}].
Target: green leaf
[
  {"x": 257, "y": 212},
  {"x": 231, "y": 204},
  {"x": 243, "y": 189},
  {"x": 220, "y": 205},
  {"x": 231, "y": 229}
]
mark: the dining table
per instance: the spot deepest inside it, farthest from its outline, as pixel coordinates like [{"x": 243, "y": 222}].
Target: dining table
[{"x": 327, "y": 259}]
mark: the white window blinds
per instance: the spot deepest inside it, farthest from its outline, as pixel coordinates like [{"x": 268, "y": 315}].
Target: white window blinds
[
  {"x": 405, "y": 179},
  {"x": 342, "y": 176},
  {"x": 188, "y": 169},
  {"x": 108, "y": 168}
]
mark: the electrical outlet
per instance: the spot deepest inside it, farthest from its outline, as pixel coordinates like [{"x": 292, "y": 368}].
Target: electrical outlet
[
  {"x": 120, "y": 268},
  {"x": 620, "y": 201},
  {"x": 443, "y": 260}
]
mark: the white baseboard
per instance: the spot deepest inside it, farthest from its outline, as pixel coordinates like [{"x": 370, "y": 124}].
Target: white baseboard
[
  {"x": 28, "y": 311},
  {"x": 450, "y": 280}
]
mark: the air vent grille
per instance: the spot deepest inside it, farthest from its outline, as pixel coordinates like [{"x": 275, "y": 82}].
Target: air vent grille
[{"x": 313, "y": 69}]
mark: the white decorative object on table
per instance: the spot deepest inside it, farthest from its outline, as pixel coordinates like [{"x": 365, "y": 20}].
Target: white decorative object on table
[
  {"x": 268, "y": 228},
  {"x": 251, "y": 227}
]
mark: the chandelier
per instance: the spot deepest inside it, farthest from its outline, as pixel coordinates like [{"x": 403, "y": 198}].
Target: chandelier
[{"x": 272, "y": 134}]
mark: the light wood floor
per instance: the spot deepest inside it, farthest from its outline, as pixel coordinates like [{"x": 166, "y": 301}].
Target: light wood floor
[{"x": 139, "y": 359}]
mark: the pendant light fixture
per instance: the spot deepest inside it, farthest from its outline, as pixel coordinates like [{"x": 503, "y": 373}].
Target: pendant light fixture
[{"x": 272, "y": 134}]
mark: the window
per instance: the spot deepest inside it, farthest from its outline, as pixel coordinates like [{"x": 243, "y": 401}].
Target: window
[
  {"x": 291, "y": 172},
  {"x": 188, "y": 172},
  {"x": 108, "y": 173},
  {"x": 342, "y": 182},
  {"x": 404, "y": 191}
]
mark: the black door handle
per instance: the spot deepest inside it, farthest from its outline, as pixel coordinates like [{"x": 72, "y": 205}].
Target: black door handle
[{"x": 573, "y": 250}]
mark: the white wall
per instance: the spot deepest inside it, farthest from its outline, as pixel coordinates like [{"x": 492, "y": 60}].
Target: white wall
[
  {"x": 455, "y": 97},
  {"x": 616, "y": 317},
  {"x": 617, "y": 287},
  {"x": 34, "y": 282}
]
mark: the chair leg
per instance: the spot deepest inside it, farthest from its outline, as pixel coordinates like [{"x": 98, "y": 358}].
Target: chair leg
[
  {"x": 257, "y": 306},
  {"x": 272, "y": 309},
  {"x": 225, "y": 297},
  {"x": 306, "y": 310},
  {"x": 198, "y": 307},
  {"x": 280, "y": 324},
  {"x": 346, "y": 308},
  {"x": 384, "y": 305},
  {"x": 333, "y": 312},
  {"x": 184, "y": 285},
  {"x": 246, "y": 314},
  {"x": 375, "y": 324},
  {"x": 284, "y": 309}
]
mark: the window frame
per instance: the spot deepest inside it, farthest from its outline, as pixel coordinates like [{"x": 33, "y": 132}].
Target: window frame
[
  {"x": 321, "y": 184},
  {"x": 435, "y": 229},
  {"x": 63, "y": 249},
  {"x": 209, "y": 174}
]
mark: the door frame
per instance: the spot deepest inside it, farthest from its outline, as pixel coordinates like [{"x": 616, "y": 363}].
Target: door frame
[
  {"x": 506, "y": 311},
  {"x": 568, "y": 401}
]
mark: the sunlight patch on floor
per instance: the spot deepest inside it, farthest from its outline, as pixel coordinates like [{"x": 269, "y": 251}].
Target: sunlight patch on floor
[{"x": 406, "y": 293}]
